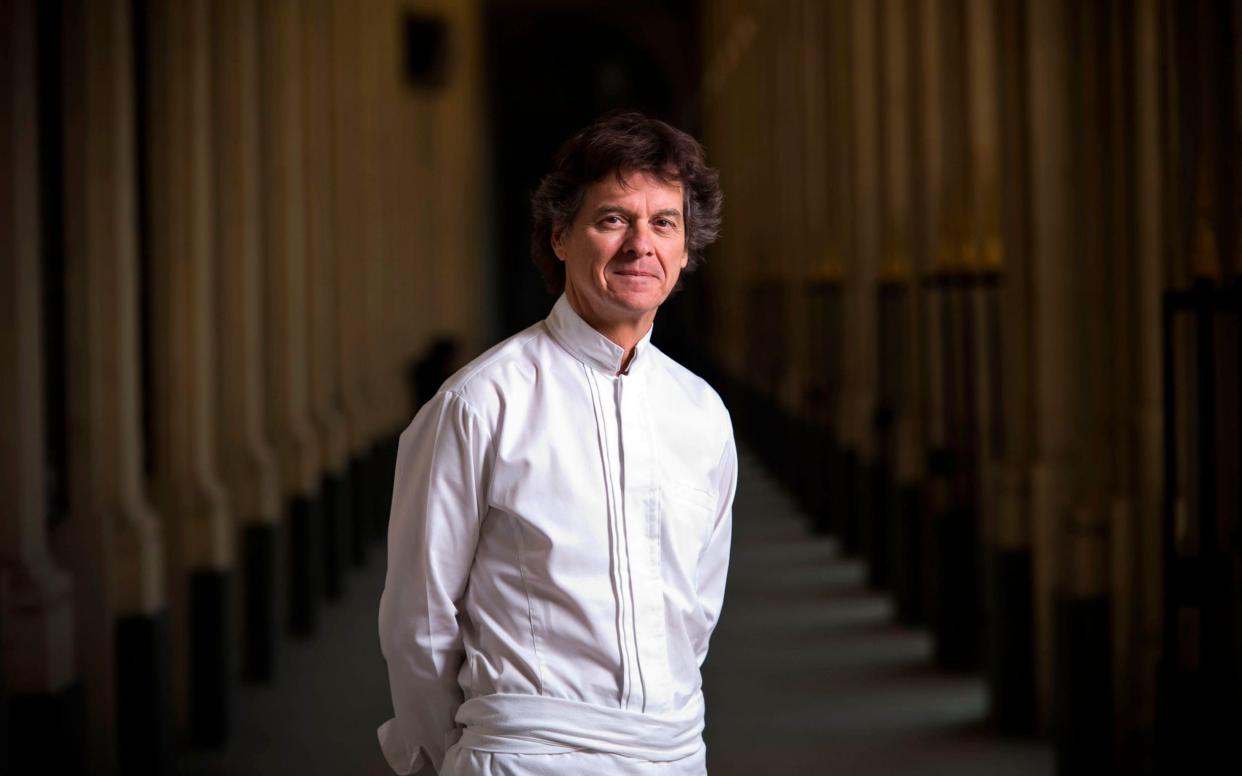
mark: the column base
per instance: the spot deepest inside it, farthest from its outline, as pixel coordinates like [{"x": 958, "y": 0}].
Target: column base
[
  {"x": 878, "y": 479},
  {"x": 304, "y": 565},
  {"x": 46, "y": 733},
  {"x": 1083, "y": 690},
  {"x": 1012, "y": 656},
  {"x": 260, "y": 560},
  {"x": 383, "y": 466},
  {"x": 210, "y": 674},
  {"x": 820, "y": 463},
  {"x": 334, "y": 511},
  {"x": 845, "y": 501},
  {"x": 359, "y": 508},
  {"x": 143, "y": 696},
  {"x": 909, "y": 544},
  {"x": 958, "y": 626}
]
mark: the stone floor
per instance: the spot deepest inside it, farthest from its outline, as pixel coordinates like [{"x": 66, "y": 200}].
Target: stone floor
[{"x": 807, "y": 674}]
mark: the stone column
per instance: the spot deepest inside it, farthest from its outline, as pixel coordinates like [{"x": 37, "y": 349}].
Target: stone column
[
  {"x": 985, "y": 251},
  {"x": 379, "y": 30},
  {"x": 860, "y": 310},
  {"x": 111, "y": 541},
  {"x": 36, "y": 594},
  {"x": 899, "y": 346},
  {"x": 1151, "y": 204},
  {"x": 831, "y": 276},
  {"x": 817, "y": 318},
  {"x": 178, "y": 222},
  {"x": 934, "y": 218},
  {"x": 247, "y": 461},
  {"x": 958, "y": 612},
  {"x": 284, "y": 244},
  {"x": 1051, "y": 178},
  {"x": 1070, "y": 579},
  {"x": 351, "y": 270},
  {"x": 324, "y": 383},
  {"x": 792, "y": 180},
  {"x": 461, "y": 154},
  {"x": 1012, "y": 651}
]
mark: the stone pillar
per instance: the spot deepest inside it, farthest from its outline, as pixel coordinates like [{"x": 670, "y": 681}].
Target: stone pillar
[
  {"x": 1070, "y": 576},
  {"x": 1012, "y": 648},
  {"x": 179, "y": 227},
  {"x": 324, "y": 382},
  {"x": 288, "y": 371},
  {"x": 322, "y": 297},
  {"x": 378, "y": 26},
  {"x": 899, "y": 491},
  {"x": 461, "y": 163},
  {"x": 817, "y": 318},
  {"x": 247, "y": 461},
  {"x": 111, "y": 541},
  {"x": 351, "y": 270},
  {"x": 1051, "y": 178},
  {"x": 984, "y": 250},
  {"x": 933, "y": 219},
  {"x": 860, "y": 317},
  {"x": 831, "y": 273},
  {"x": 792, "y": 177},
  {"x": 958, "y": 613},
  {"x": 40, "y": 677},
  {"x": 1151, "y": 203}
]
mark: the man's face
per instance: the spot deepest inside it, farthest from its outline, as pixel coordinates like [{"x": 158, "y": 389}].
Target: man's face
[{"x": 625, "y": 249}]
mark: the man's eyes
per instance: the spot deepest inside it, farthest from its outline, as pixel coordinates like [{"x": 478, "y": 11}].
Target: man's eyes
[{"x": 659, "y": 223}]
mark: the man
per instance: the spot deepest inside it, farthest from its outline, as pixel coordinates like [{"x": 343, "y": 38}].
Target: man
[{"x": 562, "y": 508}]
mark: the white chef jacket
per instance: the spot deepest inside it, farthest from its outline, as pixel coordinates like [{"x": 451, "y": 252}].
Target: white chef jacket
[{"x": 557, "y": 551}]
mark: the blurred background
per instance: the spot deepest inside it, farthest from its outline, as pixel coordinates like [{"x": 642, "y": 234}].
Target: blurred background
[{"x": 975, "y": 311}]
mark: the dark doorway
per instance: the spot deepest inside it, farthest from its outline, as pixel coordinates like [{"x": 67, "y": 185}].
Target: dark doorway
[{"x": 554, "y": 67}]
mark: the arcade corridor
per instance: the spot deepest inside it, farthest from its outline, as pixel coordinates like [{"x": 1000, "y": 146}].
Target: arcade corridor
[{"x": 976, "y": 308}]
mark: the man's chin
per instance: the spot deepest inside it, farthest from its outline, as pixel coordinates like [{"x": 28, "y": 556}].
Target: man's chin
[{"x": 637, "y": 303}]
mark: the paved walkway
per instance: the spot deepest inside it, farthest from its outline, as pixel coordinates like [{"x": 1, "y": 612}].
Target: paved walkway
[{"x": 807, "y": 674}]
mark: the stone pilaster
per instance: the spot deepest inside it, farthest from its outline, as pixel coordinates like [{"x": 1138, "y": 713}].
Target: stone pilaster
[
  {"x": 111, "y": 541},
  {"x": 179, "y": 229},
  {"x": 1148, "y": 422},
  {"x": 897, "y": 483},
  {"x": 1068, "y": 524},
  {"x": 351, "y": 271},
  {"x": 247, "y": 460},
  {"x": 324, "y": 379},
  {"x": 298, "y": 455},
  {"x": 858, "y": 441},
  {"x": 40, "y": 678}
]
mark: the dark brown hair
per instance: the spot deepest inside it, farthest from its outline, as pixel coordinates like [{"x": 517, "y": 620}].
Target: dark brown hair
[{"x": 624, "y": 144}]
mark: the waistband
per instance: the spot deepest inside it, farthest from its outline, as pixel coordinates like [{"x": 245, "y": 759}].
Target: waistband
[{"x": 536, "y": 724}]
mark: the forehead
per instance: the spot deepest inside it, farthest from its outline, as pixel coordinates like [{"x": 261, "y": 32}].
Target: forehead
[{"x": 634, "y": 187}]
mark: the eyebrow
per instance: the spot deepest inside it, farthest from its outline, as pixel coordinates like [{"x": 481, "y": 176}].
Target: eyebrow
[{"x": 604, "y": 210}]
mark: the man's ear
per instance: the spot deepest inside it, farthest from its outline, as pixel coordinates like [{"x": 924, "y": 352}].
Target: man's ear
[{"x": 558, "y": 242}]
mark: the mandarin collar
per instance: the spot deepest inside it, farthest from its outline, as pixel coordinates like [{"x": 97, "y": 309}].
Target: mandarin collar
[{"x": 588, "y": 345}]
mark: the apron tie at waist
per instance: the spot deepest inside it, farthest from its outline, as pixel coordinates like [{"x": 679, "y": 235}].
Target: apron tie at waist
[{"x": 536, "y": 724}]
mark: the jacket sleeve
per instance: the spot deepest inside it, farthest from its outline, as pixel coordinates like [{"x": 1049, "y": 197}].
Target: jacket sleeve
[
  {"x": 714, "y": 563},
  {"x": 439, "y": 499}
]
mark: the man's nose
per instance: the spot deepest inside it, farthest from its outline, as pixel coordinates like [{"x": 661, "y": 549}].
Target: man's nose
[{"x": 638, "y": 239}]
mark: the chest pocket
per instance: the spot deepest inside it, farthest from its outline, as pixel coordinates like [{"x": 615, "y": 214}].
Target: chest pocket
[{"x": 689, "y": 510}]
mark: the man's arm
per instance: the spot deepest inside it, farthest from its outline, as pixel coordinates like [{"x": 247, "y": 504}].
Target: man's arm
[
  {"x": 714, "y": 563},
  {"x": 439, "y": 499}
]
